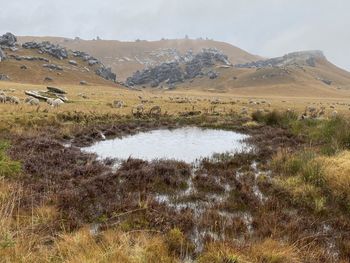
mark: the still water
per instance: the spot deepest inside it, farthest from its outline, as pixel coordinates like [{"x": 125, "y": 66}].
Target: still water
[{"x": 184, "y": 144}]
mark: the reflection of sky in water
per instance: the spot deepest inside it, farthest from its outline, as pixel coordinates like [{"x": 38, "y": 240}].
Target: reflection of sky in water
[{"x": 184, "y": 144}]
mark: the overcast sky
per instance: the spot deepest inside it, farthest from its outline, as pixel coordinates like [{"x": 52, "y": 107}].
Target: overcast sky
[{"x": 264, "y": 27}]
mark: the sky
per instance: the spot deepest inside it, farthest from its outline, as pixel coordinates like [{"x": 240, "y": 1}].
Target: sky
[{"x": 267, "y": 28}]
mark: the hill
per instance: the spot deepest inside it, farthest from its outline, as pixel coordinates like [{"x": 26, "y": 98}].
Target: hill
[
  {"x": 45, "y": 63},
  {"x": 306, "y": 73},
  {"x": 127, "y": 57}
]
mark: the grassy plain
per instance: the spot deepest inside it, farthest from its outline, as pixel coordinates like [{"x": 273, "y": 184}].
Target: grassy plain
[{"x": 286, "y": 202}]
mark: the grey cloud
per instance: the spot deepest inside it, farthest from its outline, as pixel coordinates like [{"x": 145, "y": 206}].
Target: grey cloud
[{"x": 264, "y": 27}]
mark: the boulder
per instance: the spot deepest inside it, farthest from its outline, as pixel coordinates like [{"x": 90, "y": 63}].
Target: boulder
[
  {"x": 56, "y": 90},
  {"x": 8, "y": 40},
  {"x": 4, "y": 77},
  {"x": 212, "y": 74}
]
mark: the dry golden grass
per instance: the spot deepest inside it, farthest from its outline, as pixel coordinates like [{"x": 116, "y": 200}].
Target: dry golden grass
[
  {"x": 99, "y": 99},
  {"x": 337, "y": 173}
]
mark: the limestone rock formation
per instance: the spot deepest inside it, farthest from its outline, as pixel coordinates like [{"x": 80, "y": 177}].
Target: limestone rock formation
[
  {"x": 46, "y": 47},
  {"x": 303, "y": 58},
  {"x": 188, "y": 67},
  {"x": 8, "y": 40}
]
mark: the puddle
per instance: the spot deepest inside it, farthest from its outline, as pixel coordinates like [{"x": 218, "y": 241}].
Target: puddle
[{"x": 187, "y": 144}]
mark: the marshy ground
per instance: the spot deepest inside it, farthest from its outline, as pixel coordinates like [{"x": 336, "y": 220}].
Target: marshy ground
[{"x": 286, "y": 200}]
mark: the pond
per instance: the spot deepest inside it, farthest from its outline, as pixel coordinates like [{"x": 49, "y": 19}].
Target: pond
[{"x": 184, "y": 144}]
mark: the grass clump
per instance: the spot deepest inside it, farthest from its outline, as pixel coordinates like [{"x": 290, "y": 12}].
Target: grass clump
[
  {"x": 8, "y": 167},
  {"x": 302, "y": 176},
  {"x": 219, "y": 253},
  {"x": 275, "y": 118},
  {"x": 337, "y": 177}
]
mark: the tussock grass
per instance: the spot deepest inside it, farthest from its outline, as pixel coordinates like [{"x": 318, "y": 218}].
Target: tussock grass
[{"x": 8, "y": 167}]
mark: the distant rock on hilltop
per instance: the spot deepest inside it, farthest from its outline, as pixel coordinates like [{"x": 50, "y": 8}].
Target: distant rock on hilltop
[
  {"x": 302, "y": 58},
  {"x": 183, "y": 68}
]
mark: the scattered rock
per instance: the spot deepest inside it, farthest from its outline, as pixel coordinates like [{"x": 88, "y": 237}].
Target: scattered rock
[
  {"x": 29, "y": 58},
  {"x": 53, "y": 66},
  {"x": 212, "y": 74},
  {"x": 73, "y": 62},
  {"x": 32, "y": 101},
  {"x": 46, "y": 47},
  {"x": 57, "y": 103},
  {"x": 4, "y": 77},
  {"x": 118, "y": 104},
  {"x": 24, "y": 67}
]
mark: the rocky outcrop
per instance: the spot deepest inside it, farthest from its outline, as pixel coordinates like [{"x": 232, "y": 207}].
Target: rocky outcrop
[
  {"x": 168, "y": 72},
  {"x": 8, "y": 40},
  {"x": 190, "y": 67},
  {"x": 106, "y": 73},
  {"x": 46, "y": 47},
  {"x": 303, "y": 58},
  {"x": 86, "y": 57},
  {"x": 28, "y": 58}
]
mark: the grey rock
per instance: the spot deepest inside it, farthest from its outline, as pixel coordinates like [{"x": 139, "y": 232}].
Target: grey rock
[
  {"x": 8, "y": 40},
  {"x": 106, "y": 73},
  {"x": 173, "y": 72},
  {"x": 169, "y": 72},
  {"x": 53, "y": 66},
  {"x": 48, "y": 79},
  {"x": 303, "y": 58},
  {"x": 29, "y": 58},
  {"x": 56, "y": 90},
  {"x": 73, "y": 62},
  {"x": 4, "y": 77},
  {"x": 93, "y": 62},
  {"x": 212, "y": 74},
  {"x": 83, "y": 82},
  {"x": 46, "y": 47}
]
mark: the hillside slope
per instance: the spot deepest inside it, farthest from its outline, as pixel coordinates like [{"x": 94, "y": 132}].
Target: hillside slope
[
  {"x": 127, "y": 57},
  {"x": 306, "y": 73},
  {"x": 46, "y": 63}
]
